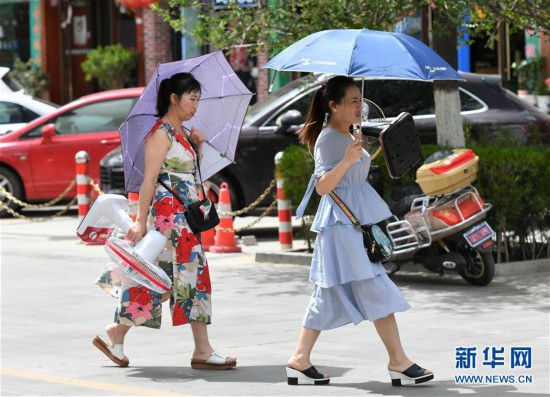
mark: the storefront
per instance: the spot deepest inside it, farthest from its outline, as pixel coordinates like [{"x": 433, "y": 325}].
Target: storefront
[{"x": 20, "y": 31}]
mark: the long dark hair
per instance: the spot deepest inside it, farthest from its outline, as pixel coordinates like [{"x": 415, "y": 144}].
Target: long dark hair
[
  {"x": 332, "y": 90},
  {"x": 179, "y": 84}
]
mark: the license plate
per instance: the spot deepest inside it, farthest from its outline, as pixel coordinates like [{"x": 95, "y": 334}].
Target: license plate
[{"x": 478, "y": 234}]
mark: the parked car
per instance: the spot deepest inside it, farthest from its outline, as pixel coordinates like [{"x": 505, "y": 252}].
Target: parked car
[
  {"x": 37, "y": 161},
  {"x": 8, "y": 83},
  {"x": 270, "y": 125},
  {"x": 18, "y": 109}
]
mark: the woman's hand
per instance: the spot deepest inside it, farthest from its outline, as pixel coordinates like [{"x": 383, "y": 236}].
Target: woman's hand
[
  {"x": 353, "y": 152},
  {"x": 196, "y": 136},
  {"x": 136, "y": 232},
  {"x": 164, "y": 297}
]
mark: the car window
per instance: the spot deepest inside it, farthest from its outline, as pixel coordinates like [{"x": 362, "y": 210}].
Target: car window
[
  {"x": 300, "y": 103},
  {"x": 279, "y": 97},
  {"x": 96, "y": 117},
  {"x": 392, "y": 96},
  {"x": 396, "y": 96},
  {"x": 414, "y": 97},
  {"x": 468, "y": 102},
  {"x": 12, "y": 113}
]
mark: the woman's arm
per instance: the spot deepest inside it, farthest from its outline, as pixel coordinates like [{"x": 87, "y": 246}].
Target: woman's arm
[{"x": 156, "y": 147}]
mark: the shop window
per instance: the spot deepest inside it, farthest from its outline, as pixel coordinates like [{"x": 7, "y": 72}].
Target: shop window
[{"x": 14, "y": 33}]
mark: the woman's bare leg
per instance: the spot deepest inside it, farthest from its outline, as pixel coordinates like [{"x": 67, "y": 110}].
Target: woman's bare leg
[
  {"x": 389, "y": 333},
  {"x": 116, "y": 333},
  {"x": 203, "y": 349},
  {"x": 301, "y": 360}
]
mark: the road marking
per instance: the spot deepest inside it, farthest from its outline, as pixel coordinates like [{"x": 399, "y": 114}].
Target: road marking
[{"x": 86, "y": 383}]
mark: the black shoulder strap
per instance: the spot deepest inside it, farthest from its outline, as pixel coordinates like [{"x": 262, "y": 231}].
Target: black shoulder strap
[{"x": 171, "y": 191}]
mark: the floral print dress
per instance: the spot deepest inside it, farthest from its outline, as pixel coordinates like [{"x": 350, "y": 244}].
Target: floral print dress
[{"x": 183, "y": 258}]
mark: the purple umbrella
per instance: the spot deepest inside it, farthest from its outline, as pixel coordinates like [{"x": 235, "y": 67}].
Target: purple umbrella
[{"x": 223, "y": 105}]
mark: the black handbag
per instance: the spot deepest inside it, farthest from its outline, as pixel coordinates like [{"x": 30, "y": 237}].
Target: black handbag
[
  {"x": 377, "y": 244},
  {"x": 201, "y": 215}
]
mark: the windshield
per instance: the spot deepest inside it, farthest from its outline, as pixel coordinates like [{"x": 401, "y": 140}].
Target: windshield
[
  {"x": 46, "y": 102},
  {"x": 273, "y": 99}
]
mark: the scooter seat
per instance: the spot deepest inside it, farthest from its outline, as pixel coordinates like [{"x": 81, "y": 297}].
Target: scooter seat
[{"x": 401, "y": 199}]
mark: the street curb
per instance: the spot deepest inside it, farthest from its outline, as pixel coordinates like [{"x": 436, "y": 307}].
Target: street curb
[
  {"x": 293, "y": 258},
  {"x": 502, "y": 269},
  {"x": 518, "y": 268}
]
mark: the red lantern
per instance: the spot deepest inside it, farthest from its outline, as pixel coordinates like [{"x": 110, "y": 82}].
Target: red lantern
[{"x": 134, "y": 4}]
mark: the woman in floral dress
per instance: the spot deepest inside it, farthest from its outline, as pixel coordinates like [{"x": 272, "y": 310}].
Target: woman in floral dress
[{"x": 170, "y": 157}]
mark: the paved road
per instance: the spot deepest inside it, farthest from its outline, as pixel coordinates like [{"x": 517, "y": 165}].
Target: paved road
[{"x": 51, "y": 309}]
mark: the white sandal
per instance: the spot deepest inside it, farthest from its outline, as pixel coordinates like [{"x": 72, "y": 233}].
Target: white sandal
[
  {"x": 115, "y": 353},
  {"x": 215, "y": 361}
]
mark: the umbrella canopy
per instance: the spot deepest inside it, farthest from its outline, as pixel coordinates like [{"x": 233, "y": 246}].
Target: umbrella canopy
[
  {"x": 222, "y": 107},
  {"x": 364, "y": 53}
]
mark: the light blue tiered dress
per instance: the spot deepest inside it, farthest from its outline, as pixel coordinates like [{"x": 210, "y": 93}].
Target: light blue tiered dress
[{"x": 349, "y": 288}]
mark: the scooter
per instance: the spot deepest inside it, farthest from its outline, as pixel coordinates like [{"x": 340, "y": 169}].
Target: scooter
[{"x": 441, "y": 223}]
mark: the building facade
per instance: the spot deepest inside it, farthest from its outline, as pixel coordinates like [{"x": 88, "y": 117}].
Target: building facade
[{"x": 58, "y": 34}]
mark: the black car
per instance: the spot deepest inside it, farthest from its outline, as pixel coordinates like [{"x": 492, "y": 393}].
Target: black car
[{"x": 271, "y": 124}]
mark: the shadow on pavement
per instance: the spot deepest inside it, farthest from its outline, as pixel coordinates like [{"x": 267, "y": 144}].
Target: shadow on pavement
[
  {"x": 435, "y": 388},
  {"x": 247, "y": 374},
  {"x": 530, "y": 290},
  {"x": 275, "y": 374}
]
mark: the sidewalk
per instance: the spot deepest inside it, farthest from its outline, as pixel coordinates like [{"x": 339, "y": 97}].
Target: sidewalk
[
  {"x": 51, "y": 309},
  {"x": 270, "y": 251}
]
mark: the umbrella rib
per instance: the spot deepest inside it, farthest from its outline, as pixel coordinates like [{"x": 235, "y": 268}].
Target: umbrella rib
[
  {"x": 233, "y": 73},
  {"x": 235, "y": 119}
]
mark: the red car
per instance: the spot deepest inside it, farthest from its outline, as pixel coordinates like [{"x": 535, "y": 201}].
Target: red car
[{"x": 37, "y": 162}]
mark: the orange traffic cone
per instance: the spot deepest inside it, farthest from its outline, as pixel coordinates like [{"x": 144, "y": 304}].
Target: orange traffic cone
[
  {"x": 225, "y": 235},
  {"x": 207, "y": 237}
]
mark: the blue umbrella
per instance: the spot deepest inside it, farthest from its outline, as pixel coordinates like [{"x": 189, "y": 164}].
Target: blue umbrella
[{"x": 364, "y": 53}]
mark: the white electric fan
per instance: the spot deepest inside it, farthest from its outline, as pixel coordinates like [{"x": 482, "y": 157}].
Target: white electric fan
[
  {"x": 131, "y": 263},
  {"x": 373, "y": 121}
]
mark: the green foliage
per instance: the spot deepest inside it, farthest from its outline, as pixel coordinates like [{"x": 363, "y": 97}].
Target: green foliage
[
  {"x": 511, "y": 178},
  {"x": 542, "y": 88},
  {"x": 528, "y": 72},
  {"x": 31, "y": 77},
  {"x": 485, "y": 16},
  {"x": 111, "y": 66},
  {"x": 280, "y": 24},
  {"x": 275, "y": 24}
]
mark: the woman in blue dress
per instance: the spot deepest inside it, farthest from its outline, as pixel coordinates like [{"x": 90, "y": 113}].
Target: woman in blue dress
[{"x": 349, "y": 288}]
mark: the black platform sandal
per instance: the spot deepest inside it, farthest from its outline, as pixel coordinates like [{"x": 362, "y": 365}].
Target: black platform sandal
[
  {"x": 309, "y": 376},
  {"x": 413, "y": 375}
]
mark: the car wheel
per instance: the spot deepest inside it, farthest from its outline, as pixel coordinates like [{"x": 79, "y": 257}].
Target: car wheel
[
  {"x": 9, "y": 181},
  {"x": 213, "y": 186}
]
